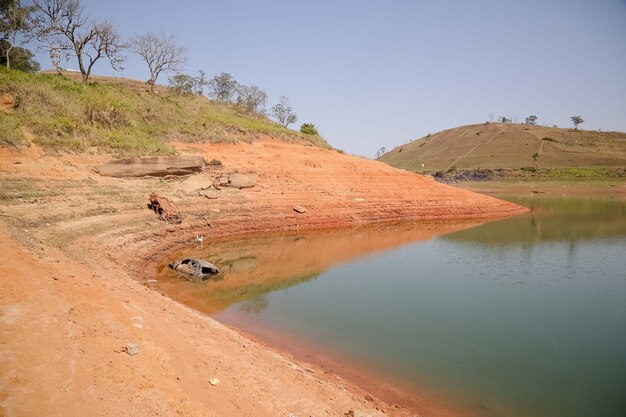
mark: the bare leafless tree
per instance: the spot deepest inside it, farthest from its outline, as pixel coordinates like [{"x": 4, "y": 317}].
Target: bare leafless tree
[
  {"x": 62, "y": 24},
  {"x": 161, "y": 53},
  {"x": 284, "y": 113}
]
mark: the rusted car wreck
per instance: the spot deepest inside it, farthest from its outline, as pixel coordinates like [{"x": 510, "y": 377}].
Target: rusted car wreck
[{"x": 195, "y": 268}]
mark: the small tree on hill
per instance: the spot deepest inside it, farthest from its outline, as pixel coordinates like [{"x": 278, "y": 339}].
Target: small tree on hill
[
  {"x": 14, "y": 24},
  {"x": 531, "y": 120},
  {"x": 251, "y": 99},
  {"x": 182, "y": 83},
  {"x": 380, "y": 152},
  {"x": 223, "y": 87},
  {"x": 64, "y": 27},
  {"x": 576, "y": 120},
  {"x": 161, "y": 52},
  {"x": 185, "y": 84},
  {"x": 308, "y": 129},
  {"x": 199, "y": 83},
  {"x": 21, "y": 59},
  {"x": 503, "y": 119},
  {"x": 284, "y": 113}
]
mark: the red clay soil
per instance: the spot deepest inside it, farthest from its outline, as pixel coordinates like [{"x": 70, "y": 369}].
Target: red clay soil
[{"x": 76, "y": 249}]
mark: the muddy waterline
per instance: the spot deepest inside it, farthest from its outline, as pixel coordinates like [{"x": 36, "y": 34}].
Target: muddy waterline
[{"x": 524, "y": 316}]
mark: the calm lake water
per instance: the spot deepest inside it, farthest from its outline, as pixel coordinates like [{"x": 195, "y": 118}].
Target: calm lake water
[{"x": 521, "y": 317}]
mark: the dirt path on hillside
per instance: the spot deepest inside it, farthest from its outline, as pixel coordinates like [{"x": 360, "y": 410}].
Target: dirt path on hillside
[{"x": 76, "y": 249}]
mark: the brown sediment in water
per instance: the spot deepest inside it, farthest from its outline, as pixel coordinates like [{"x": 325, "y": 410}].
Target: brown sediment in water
[{"x": 76, "y": 248}]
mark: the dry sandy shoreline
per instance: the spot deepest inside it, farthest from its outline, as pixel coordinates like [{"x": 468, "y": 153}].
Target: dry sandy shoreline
[{"x": 75, "y": 247}]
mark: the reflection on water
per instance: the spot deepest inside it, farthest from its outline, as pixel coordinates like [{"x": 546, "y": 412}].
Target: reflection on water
[
  {"x": 260, "y": 264},
  {"x": 553, "y": 219},
  {"x": 520, "y": 317}
]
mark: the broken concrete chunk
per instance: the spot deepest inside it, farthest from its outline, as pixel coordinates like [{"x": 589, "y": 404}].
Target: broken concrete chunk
[{"x": 159, "y": 166}]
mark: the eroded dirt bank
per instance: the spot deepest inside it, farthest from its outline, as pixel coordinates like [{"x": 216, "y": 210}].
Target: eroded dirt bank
[{"x": 75, "y": 248}]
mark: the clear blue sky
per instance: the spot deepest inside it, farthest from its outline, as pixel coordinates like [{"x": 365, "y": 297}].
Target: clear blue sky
[{"x": 380, "y": 73}]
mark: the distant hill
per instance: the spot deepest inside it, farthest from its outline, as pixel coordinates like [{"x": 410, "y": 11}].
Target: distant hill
[
  {"x": 510, "y": 146},
  {"x": 121, "y": 116}
]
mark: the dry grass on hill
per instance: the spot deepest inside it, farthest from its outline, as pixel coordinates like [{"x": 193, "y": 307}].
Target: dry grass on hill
[
  {"x": 121, "y": 116},
  {"x": 511, "y": 146}
]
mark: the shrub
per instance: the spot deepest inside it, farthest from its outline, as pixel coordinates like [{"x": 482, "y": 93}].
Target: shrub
[{"x": 308, "y": 129}]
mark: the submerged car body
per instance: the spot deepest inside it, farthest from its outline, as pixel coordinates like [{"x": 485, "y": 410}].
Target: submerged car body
[{"x": 196, "y": 268}]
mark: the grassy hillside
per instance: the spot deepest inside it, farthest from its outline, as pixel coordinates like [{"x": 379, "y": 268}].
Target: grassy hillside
[
  {"x": 119, "y": 116},
  {"x": 513, "y": 147}
]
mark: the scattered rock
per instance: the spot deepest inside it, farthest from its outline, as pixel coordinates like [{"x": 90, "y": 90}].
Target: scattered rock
[
  {"x": 196, "y": 182},
  {"x": 235, "y": 180},
  {"x": 221, "y": 181},
  {"x": 241, "y": 180},
  {"x": 368, "y": 397},
  {"x": 159, "y": 166},
  {"x": 214, "y": 381},
  {"x": 299, "y": 209},
  {"x": 353, "y": 413},
  {"x": 210, "y": 194},
  {"x": 131, "y": 348},
  {"x": 215, "y": 163}
]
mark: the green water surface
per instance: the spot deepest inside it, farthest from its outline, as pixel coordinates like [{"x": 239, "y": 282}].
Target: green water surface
[{"x": 521, "y": 317}]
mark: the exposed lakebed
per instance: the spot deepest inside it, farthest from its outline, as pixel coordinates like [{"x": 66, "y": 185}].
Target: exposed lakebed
[{"x": 522, "y": 316}]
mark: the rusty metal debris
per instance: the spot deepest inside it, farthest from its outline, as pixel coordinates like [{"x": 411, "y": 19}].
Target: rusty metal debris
[{"x": 165, "y": 208}]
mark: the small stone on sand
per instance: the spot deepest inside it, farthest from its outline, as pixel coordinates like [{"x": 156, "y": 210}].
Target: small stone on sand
[{"x": 132, "y": 349}]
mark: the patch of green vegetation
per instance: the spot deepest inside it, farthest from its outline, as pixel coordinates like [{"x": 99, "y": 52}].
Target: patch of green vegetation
[
  {"x": 565, "y": 174},
  {"x": 530, "y": 174},
  {"x": 10, "y": 133},
  {"x": 13, "y": 191},
  {"x": 123, "y": 118},
  {"x": 583, "y": 174}
]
